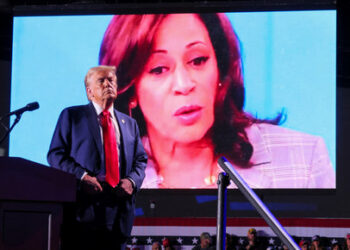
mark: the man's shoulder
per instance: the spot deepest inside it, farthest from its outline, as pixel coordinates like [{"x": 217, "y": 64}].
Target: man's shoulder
[
  {"x": 124, "y": 116},
  {"x": 75, "y": 109},
  {"x": 197, "y": 247},
  {"x": 275, "y": 131},
  {"x": 74, "y": 113}
]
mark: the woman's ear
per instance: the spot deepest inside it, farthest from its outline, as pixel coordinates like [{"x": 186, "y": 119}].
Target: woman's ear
[
  {"x": 132, "y": 105},
  {"x": 133, "y": 102}
]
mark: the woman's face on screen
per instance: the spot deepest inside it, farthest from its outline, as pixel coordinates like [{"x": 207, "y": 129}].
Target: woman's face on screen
[{"x": 177, "y": 88}]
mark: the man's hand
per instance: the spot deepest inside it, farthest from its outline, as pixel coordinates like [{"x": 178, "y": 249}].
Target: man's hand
[
  {"x": 125, "y": 187},
  {"x": 91, "y": 184}
]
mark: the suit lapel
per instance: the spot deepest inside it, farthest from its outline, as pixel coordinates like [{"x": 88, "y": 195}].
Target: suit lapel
[
  {"x": 94, "y": 128},
  {"x": 261, "y": 153},
  {"x": 122, "y": 131}
]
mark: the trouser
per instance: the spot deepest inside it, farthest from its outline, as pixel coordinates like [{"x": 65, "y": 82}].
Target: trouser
[{"x": 83, "y": 236}]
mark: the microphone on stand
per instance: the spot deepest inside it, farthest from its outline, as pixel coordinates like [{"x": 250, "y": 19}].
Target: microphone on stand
[{"x": 29, "y": 107}]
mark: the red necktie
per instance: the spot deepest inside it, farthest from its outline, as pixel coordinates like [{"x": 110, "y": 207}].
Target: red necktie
[{"x": 111, "y": 151}]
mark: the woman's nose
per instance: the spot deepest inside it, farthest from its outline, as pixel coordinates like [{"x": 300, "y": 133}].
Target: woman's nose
[{"x": 182, "y": 82}]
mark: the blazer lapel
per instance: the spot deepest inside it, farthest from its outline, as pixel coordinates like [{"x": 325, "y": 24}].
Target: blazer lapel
[
  {"x": 261, "y": 154},
  {"x": 94, "y": 128},
  {"x": 255, "y": 176},
  {"x": 122, "y": 129}
]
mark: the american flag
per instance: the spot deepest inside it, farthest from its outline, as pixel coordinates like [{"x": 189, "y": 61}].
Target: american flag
[{"x": 183, "y": 233}]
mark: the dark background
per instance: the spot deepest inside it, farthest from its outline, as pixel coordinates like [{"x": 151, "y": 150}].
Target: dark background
[{"x": 203, "y": 203}]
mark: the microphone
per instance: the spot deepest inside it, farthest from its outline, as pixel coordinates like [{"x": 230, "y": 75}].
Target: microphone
[{"x": 29, "y": 107}]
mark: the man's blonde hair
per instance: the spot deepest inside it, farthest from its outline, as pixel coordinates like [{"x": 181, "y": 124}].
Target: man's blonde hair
[{"x": 101, "y": 68}]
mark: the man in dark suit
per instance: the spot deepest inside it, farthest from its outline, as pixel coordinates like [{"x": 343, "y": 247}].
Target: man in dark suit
[{"x": 102, "y": 148}]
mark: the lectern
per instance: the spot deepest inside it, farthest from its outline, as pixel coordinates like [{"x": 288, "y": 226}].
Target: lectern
[{"x": 31, "y": 204}]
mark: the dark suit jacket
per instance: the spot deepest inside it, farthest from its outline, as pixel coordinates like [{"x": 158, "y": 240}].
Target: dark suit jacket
[{"x": 76, "y": 147}]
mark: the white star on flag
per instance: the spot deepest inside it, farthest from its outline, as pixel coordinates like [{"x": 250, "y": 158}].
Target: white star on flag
[
  {"x": 134, "y": 240},
  {"x": 271, "y": 241},
  {"x": 334, "y": 241},
  {"x": 194, "y": 241},
  {"x": 149, "y": 240},
  {"x": 241, "y": 241},
  {"x": 179, "y": 240}
]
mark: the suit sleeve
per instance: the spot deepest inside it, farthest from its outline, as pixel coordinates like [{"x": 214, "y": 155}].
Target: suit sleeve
[
  {"x": 137, "y": 173},
  {"x": 60, "y": 147},
  {"x": 322, "y": 172}
]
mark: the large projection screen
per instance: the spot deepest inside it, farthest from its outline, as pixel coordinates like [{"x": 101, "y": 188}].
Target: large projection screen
[{"x": 288, "y": 57}]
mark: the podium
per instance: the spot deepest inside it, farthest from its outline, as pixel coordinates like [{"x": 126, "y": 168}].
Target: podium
[{"x": 31, "y": 204}]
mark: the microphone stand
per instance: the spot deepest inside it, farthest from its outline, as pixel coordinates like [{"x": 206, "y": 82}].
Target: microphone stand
[
  {"x": 223, "y": 182},
  {"x": 8, "y": 131},
  {"x": 258, "y": 204}
]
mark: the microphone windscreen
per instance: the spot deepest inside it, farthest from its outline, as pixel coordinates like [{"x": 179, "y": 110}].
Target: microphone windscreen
[{"x": 32, "y": 106}]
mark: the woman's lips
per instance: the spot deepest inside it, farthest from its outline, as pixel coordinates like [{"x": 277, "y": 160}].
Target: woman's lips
[{"x": 188, "y": 115}]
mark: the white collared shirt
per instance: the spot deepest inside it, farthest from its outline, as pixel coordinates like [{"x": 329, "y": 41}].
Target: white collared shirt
[{"x": 99, "y": 110}]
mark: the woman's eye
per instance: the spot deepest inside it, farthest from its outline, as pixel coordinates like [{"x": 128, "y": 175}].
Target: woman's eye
[
  {"x": 158, "y": 70},
  {"x": 199, "y": 60}
]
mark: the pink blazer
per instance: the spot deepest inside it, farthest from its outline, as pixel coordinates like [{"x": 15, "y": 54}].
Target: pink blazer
[{"x": 282, "y": 158}]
